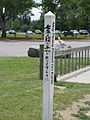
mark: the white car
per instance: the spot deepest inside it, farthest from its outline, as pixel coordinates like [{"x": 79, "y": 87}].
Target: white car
[
  {"x": 38, "y": 32},
  {"x": 75, "y": 32},
  {"x": 57, "y": 32},
  {"x": 12, "y": 32},
  {"x": 29, "y": 32}
]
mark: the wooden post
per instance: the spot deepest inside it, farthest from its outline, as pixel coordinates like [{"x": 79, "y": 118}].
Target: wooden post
[
  {"x": 41, "y": 61},
  {"x": 48, "y": 66}
]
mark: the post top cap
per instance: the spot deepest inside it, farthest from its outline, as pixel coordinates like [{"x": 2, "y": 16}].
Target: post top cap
[{"x": 49, "y": 14}]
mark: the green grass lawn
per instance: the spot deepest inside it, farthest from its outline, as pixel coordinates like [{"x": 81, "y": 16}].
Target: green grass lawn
[
  {"x": 78, "y": 36},
  {"x": 41, "y": 36},
  {"x": 24, "y": 36},
  {"x": 21, "y": 90}
]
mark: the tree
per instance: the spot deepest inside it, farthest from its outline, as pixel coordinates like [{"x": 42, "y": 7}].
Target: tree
[
  {"x": 16, "y": 24},
  {"x": 12, "y": 8},
  {"x": 59, "y": 8},
  {"x": 70, "y": 14},
  {"x": 49, "y": 5},
  {"x": 85, "y": 13},
  {"x": 24, "y": 28}
]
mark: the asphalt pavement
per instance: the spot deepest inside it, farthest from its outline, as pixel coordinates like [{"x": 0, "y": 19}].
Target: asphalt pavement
[
  {"x": 20, "y": 47},
  {"x": 17, "y": 48}
]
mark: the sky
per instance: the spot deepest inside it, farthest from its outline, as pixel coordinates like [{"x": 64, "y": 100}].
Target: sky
[
  {"x": 38, "y": 1},
  {"x": 36, "y": 12}
]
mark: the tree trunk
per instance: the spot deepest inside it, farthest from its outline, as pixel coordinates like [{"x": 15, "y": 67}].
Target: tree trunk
[{"x": 3, "y": 26}]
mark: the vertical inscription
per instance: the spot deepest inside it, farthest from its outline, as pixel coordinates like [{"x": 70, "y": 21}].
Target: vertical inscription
[{"x": 49, "y": 52}]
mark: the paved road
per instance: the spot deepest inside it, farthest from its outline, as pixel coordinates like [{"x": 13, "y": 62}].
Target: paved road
[
  {"x": 20, "y": 48},
  {"x": 16, "y": 48}
]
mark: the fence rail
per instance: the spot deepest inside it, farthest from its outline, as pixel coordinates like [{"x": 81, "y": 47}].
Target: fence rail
[
  {"x": 71, "y": 59},
  {"x": 68, "y": 60}
]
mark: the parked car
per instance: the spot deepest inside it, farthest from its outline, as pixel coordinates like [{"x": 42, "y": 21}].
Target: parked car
[
  {"x": 57, "y": 32},
  {"x": 89, "y": 31},
  {"x": 75, "y": 32},
  {"x": 68, "y": 33},
  {"x": 83, "y": 32},
  {"x": 12, "y": 32},
  {"x": 29, "y": 32},
  {"x": 64, "y": 31},
  {"x": 38, "y": 32}
]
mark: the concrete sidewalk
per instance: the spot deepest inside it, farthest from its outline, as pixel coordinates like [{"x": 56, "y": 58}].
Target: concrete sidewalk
[{"x": 79, "y": 76}]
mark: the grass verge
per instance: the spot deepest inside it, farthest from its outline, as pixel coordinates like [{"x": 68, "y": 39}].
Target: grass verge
[
  {"x": 21, "y": 90},
  {"x": 41, "y": 36}
]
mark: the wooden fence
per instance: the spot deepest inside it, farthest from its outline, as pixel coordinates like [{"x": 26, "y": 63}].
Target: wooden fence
[{"x": 68, "y": 60}]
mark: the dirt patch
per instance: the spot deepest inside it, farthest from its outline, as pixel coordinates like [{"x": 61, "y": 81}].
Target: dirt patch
[
  {"x": 71, "y": 112},
  {"x": 59, "y": 89}
]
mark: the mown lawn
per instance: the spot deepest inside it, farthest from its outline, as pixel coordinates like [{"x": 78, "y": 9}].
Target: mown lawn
[
  {"x": 21, "y": 90},
  {"x": 24, "y": 36},
  {"x": 78, "y": 36},
  {"x": 41, "y": 36}
]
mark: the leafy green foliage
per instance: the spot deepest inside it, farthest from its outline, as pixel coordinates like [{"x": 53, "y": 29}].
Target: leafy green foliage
[
  {"x": 70, "y": 14},
  {"x": 13, "y": 8},
  {"x": 16, "y": 24}
]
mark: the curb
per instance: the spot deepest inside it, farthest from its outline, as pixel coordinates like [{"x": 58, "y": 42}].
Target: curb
[
  {"x": 69, "y": 38},
  {"x": 29, "y": 38}
]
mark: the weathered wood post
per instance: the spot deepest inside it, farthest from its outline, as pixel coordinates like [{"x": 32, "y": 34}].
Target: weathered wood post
[
  {"x": 48, "y": 66},
  {"x": 41, "y": 61}
]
